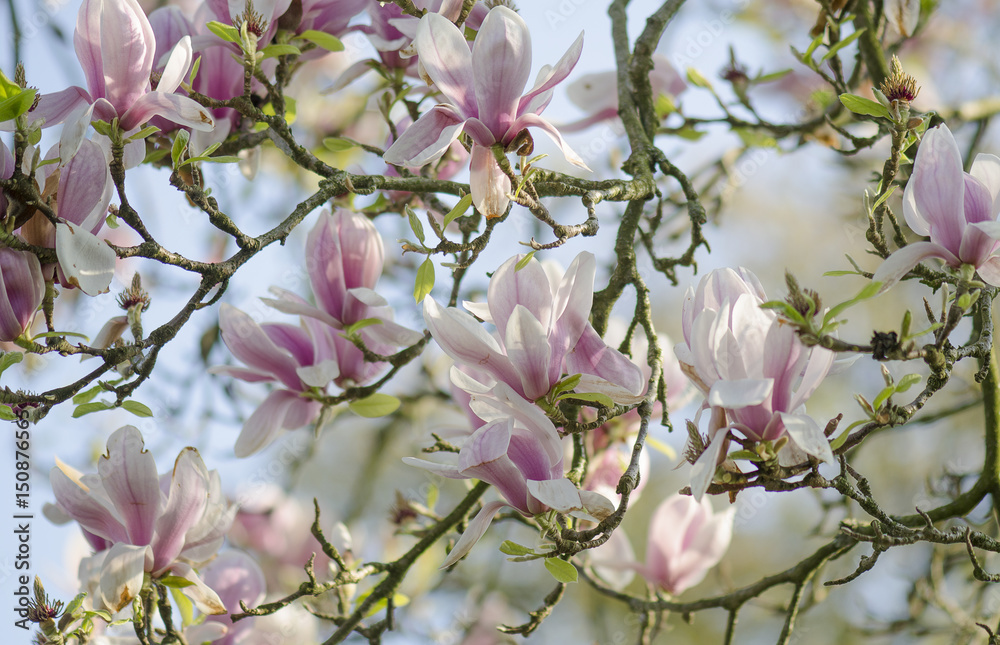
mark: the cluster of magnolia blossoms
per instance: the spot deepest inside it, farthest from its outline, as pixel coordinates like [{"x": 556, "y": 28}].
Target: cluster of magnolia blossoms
[
  {"x": 141, "y": 524},
  {"x": 344, "y": 258},
  {"x": 483, "y": 88},
  {"x": 542, "y": 333},
  {"x": 754, "y": 372}
]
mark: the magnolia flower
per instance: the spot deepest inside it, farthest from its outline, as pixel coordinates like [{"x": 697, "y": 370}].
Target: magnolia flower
[
  {"x": 344, "y": 259},
  {"x": 299, "y": 358},
  {"x": 21, "y": 291},
  {"x": 236, "y": 577},
  {"x": 597, "y": 93},
  {"x": 519, "y": 452},
  {"x": 483, "y": 92},
  {"x": 686, "y": 539},
  {"x": 755, "y": 373},
  {"x": 541, "y": 332},
  {"x": 958, "y": 210},
  {"x": 83, "y": 192},
  {"x": 115, "y": 45},
  {"x": 144, "y": 524}
]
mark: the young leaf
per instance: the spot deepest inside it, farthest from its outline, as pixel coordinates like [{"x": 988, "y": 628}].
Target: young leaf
[
  {"x": 425, "y": 280},
  {"x": 861, "y": 105},
  {"x": 513, "y": 548},
  {"x": 602, "y": 400},
  {"x": 338, "y": 144},
  {"x": 561, "y": 570},
  {"x": 415, "y": 224},
  {"x": 9, "y": 358},
  {"x": 323, "y": 40},
  {"x": 179, "y": 146},
  {"x": 523, "y": 262},
  {"x": 6, "y": 413},
  {"x": 844, "y": 43},
  {"x": 376, "y": 405},
  {"x": 273, "y": 51},
  {"x": 175, "y": 582},
  {"x": 459, "y": 210},
  {"x": 16, "y": 105},
  {"x": 136, "y": 408},
  {"x": 695, "y": 78},
  {"x": 87, "y": 408},
  {"x": 361, "y": 324},
  {"x": 226, "y": 32},
  {"x": 87, "y": 395}
]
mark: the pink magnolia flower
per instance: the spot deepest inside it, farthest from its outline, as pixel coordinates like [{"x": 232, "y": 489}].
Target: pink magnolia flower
[
  {"x": 298, "y": 358},
  {"x": 755, "y": 373},
  {"x": 519, "y": 452},
  {"x": 144, "y": 524},
  {"x": 236, "y": 577},
  {"x": 542, "y": 331},
  {"x": 597, "y": 93},
  {"x": 22, "y": 288},
  {"x": 115, "y": 45},
  {"x": 483, "y": 91},
  {"x": 686, "y": 539},
  {"x": 958, "y": 210}
]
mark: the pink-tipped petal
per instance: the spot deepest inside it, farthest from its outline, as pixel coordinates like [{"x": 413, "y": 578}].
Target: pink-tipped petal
[
  {"x": 897, "y": 265},
  {"x": 501, "y": 63},
  {"x": 281, "y": 410},
  {"x": 172, "y": 107},
  {"x": 938, "y": 188},
  {"x": 186, "y": 501},
  {"x": 445, "y": 55},
  {"x": 128, "y": 472},
  {"x": 556, "y": 75},
  {"x": 477, "y": 527},
  {"x": 427, "y": 139}
]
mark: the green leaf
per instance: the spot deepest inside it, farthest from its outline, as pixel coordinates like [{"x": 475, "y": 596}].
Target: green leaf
[
  {"x": 561, "y": 570},
  {"x": 361, "y": 324},
  {"x": 9, "y": 358},
  {"x": 695, "y": 78},
  {"x": 664, "y": 106},
  {"x": 744, "y": 454},
  {"x": 787, "y": 310},
  {"x": 883, "y": 396},
  {"x": 523, "y": 262},
  {"x": 226, "y": 32},
  {"x": 323, "y": 40},
  {"x": 816, "y": 42},
  {"x": 338, "y": 144},
  {"x": 136, "y": 408},
  {"x": 74, "y": 604},
  {"x": 59, "y": 334},
  {"x": 7, "y": 413},
  {"x": 155, "y": 154},
  {"x": 602, "y": 400},
  {"x": 870, "y": 291},
  {"x": 773, "y": 76},
  {"x": 184, "y": 606},
  {"x": 690, "y": 134},
  {"x": 175, "y": 582},
  {"x": 194, "y": 70},
  {"x": 87, "y": 408},
  {"x": 566, "y": 384},
  {"x": 425, "y": 280},
  {"x": 459, "y": 210},
  {"x": 861, "y": 105},
  {"x": 277, "y": 49},
  {"x": 907, "y": 382},
  {"x": 16, "y": 105},
  {"x": 145, "y": 132},
  {"x": 87, "y": 395},
  {"x": 415, "y": 225},
  {"x": 432, "y": 496},
  {"x": 842, "y": 437},
  {"x": 844, "y": 43},
  {"x": 179, "y": 146},
  {"x": 840, "y": 273},
  {"x": 376, "y": 405},
  {"x": 513, "y": 548},
  {"x": 100, "y": 613}
]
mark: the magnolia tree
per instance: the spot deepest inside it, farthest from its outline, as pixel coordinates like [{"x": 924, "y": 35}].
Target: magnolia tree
[{"x": 511, "y": 404}]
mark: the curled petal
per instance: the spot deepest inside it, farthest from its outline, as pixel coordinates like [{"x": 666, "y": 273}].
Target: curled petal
[
  {"x": 488, "y": 183},
  {"x": 531, "y": 120},
  {"x": 188, "y": 496},
  {"x": 281, "y": 410},
  {"x": 427, "y": 139},
  {"x": 206, "y": 600},
  {"x": 122, "y": 574},
  {"x": 87, "y": 262},
  {"x": 807, "y": 434},
  {"x": 902, "y": 261},
  {"x": 128, "y": 472},
  {"x": 445, "y": 55},
  {"x": 477, "y": 527}
]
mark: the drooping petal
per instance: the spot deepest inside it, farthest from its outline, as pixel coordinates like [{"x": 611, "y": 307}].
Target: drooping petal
[
  {"x": 807, "y": 434},
  {"x": 445, "y": 55},
  {"x": 172, "y": 107},
  {"x": 489, "y": 185},
  {"x": 902, "y": 261},
  {"x": 591, "y": 355},
  {"x": 532, "y": 120},
  {"x": 75, "y": 501},
  {"x": 204, "y": 598},
  {"x": 54, "y": 107},
  {"x": 484, "y": 456},
  {"x": 281, "y": 410},
  {"x": 177, "y": 65},
  {"x": 122, "y": 574},
  {"x": 426, "y": 139},
  {"x": 445, "y": 470},
  {"x": 86, "y": 261},
  {"x": 501, "y": 64},
  {"x": 250, "y": 344},
  {"x": 477, "y": 527},
  {"x": 22, "y": 289},
  {"x": 704, "y": 468},
  {"x": 128, "y": 472}
]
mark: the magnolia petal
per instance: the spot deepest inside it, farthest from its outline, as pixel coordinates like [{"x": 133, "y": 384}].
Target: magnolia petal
[
  {"x": 74, "y": 131},
  {"x": 592, "y": 356},
  {"x": 511, "y": 287},
  {"x": 558, "y": 494},
  {"x": 531, "y": 120},
  {"x": 281, "y": 410},
  {"x": 903, "y": 15},
  {"x": 122, "y": 574},
  {"x": 501, "y": 65},
  {"x": 528, "y": 349},
  {"x": 85, "y": 188},
  {"x": 76, "y": 502},
  {"x": 555, "y": 75},
  {"x": 596, "y": 505},
  {"x": 319, "y": 375},
  {"x": 477, "y": 527},
  {"x": 703, "y": 471},
  {"x": 445, "y": 470},
  {"x": 206, "y": 600},
  {"x": 22, "y": 289},
  {"x": 127, "y": 50},
  {"x": 172, "y": 107},
  {"x": 462, "y": 338},
  {"x": 488, "y": 184},
  {"x": 87, "y": 41},
  {"x": 447, "y": 60},
  {"x": 614, "y": 561},
  {"x": 128, "y": 473},
  {"x": 937, "y": 189},
  {"x": 426, "y": 139},
  {"x": 177, "y": 66},
  {"x": 807, "y": 434},
  {"x": 186, "y": 501},
  {"x": 251, "y": 344},
  {"x": 986, "y": 168},
  {"x": 54, "y": 107},
  {"x": 897, "y": 265},
  {"x": 990, "y": 271},
  {"x": 740, "y": 393},
  {"x": 484, "y": 456},
  {"x": 598, "y": 385},
  {"x": 87, "y": 262}
]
